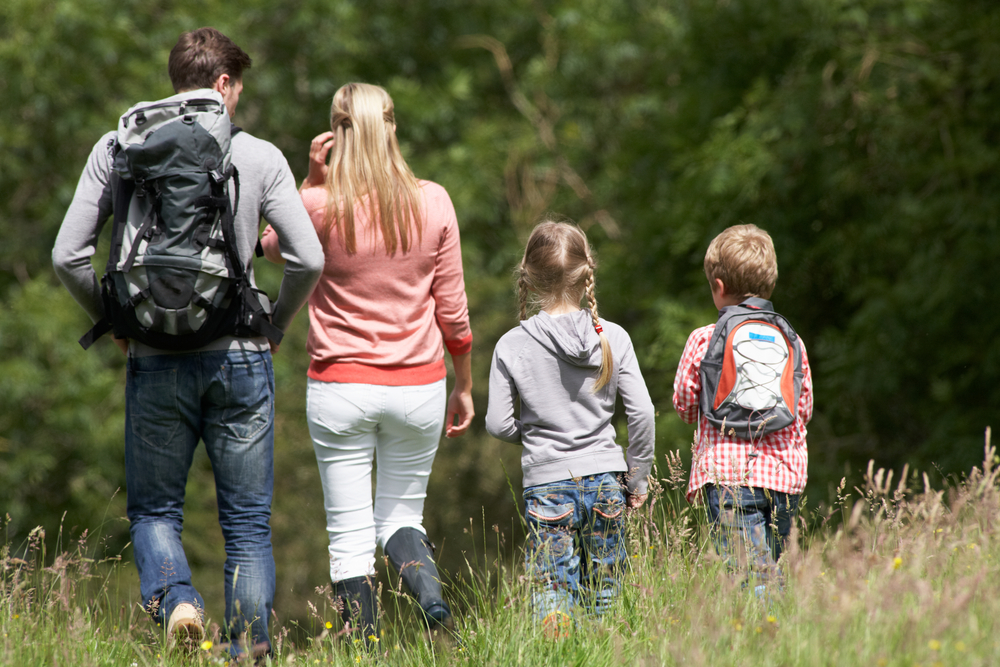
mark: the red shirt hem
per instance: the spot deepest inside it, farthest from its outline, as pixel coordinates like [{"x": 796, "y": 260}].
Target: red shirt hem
[{"x": 387, "y": 376}]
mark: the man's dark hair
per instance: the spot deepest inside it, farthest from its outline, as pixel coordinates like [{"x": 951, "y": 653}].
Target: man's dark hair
[{"x": 202, "y": 56}]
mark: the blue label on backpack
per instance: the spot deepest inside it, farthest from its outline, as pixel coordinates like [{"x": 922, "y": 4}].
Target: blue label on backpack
[{"x": 753, "y": 336}]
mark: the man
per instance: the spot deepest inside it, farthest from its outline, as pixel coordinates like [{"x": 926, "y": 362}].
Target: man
[{"x": 221, "y": 393}]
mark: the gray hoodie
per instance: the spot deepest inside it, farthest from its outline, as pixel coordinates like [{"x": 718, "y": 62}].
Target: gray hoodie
[{"x": 551, "y": 363}]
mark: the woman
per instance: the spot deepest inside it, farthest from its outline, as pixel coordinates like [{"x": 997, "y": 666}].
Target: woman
[{"x": 392, "y": 291}]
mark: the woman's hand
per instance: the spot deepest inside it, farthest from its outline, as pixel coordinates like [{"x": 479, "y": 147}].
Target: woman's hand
[
  {"x": 460, "y": 405},
  {"x": 318, "y": 150},
  {"x": 460, "y": 401}
]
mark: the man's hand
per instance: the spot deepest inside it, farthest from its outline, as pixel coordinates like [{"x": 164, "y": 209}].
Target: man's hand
[{"x": 122, "y": 344}]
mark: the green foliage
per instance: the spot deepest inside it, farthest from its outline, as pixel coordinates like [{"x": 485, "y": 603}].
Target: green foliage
[
  {"x": 860, "y": 133},
  {"x": 61, "y": 425}
]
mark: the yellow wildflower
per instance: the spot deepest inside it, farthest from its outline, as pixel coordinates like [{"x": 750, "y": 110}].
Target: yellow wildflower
[
  {"x": 960, "y": 647},
  {"x": 896, "y": 562},
  {"x": 206, "y": 645},
  {"x": 772, "y": 619},
  {"x": 329, "y": 625},
  {"x": 934, "y": 645}
]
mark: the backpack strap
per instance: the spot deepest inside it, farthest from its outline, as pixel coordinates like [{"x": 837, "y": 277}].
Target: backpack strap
[
  {"x": 236, "y": 190},
  {"x": 145, "y": 231},
  {"x": 102, "y": 327},
  {"x": 121, "y": 193},
  {"x": 259, "y": 322}
]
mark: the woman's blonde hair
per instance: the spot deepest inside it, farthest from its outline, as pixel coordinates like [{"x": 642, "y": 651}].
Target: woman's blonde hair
[
  {"x": 365, "y": 162},
  {"x": 558, "y": 267}
]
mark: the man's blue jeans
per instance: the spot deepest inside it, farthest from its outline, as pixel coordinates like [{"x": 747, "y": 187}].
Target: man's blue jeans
[
  {"x": 750, "y": 526},
  {"x": 574, "y": 553},
  {"x": 224, "y": 398}
]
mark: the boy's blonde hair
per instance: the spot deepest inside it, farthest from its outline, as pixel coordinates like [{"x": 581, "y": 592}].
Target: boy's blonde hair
[
  {"x": 743, "y": 258},
  {"x": 366, "y": 163},
  {"x": 558, "y": 267}
]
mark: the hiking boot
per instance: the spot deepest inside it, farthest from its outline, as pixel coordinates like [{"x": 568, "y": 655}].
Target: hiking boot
[
  {"x": 358, "y": 607},
  {"x": 185, "y": 628},
  {"x": 412, "y": 554},
  {"x": 441, "y": 627}
]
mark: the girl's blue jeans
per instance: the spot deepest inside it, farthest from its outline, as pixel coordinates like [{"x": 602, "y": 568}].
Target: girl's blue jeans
[
  {"x": 575, "y": 553},
  {"x": 750, "y": 526},
  {"x": 224, "y": 398}
]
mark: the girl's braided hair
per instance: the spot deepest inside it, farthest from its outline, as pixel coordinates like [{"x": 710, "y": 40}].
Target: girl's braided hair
[{"x": 558, "y": 267}]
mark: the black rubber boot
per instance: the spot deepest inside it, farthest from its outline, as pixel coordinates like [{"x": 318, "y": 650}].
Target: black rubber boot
[
  {"x": 359, "y": 605},
  {"x": 411, "y": 553}
]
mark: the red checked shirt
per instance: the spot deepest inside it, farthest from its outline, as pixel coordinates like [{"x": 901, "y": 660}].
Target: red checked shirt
[{"x": 781, "y": 457}]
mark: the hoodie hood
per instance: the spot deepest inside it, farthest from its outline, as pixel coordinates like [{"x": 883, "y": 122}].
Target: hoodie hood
[{"x": 571, "y": 337}]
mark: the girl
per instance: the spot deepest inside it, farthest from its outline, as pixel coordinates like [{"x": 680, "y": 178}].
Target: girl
[
  {"x": 566, "y": 365},
  {"x": 391, "y": 293}
]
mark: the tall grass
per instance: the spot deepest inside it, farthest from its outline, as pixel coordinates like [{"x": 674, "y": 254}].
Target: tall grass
[{"x": 888, "y": 572}]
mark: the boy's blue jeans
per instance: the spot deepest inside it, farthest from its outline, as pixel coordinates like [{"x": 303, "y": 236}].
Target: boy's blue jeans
[
  {"x": 574, "y": 553},
  {"x": 224, "y": 398},
  {"x": 750, "y": 526}
]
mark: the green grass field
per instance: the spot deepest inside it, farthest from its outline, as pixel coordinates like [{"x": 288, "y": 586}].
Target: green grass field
[{"x": 889, "y": 572}]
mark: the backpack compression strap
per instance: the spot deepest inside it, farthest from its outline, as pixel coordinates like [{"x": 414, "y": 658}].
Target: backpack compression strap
[
  {"x": 102, "y": 327},
  {"x": 122, "y": 191}
]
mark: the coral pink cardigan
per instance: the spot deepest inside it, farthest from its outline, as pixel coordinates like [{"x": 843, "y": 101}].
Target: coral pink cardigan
[{"x": 381, "y": 319}]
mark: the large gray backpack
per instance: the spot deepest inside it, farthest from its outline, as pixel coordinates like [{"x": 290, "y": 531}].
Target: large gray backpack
[
  {"x": 174, "y": 279},
  {"x": 751, "y": 376}
]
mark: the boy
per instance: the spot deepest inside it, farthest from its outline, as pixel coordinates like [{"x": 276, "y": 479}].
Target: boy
[{"x": 751, "y": 484}]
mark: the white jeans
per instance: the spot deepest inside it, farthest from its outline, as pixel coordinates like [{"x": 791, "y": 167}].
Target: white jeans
[{"x": 351, "y": 424}]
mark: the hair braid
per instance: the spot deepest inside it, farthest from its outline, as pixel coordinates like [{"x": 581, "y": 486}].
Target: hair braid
[
  {"x": 607, "y": 362},
  {"x": 522, "y": 291}
]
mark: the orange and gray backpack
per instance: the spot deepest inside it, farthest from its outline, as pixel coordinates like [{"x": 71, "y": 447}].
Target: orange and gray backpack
[{"x": 751, "y": 376}]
